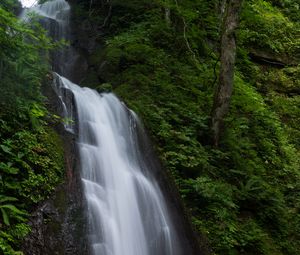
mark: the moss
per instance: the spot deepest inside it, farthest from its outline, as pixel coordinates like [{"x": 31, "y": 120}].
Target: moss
[{"x": 54, "y": 146}]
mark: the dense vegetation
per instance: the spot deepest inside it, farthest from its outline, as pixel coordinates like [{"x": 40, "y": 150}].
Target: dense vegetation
[
  {"x": 162, "y": 58},
  {"x": 31, "y": 162},
  {"x": 243, "y": 195}
]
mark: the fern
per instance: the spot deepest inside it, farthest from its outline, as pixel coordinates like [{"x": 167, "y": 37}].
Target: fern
[{"x": 9, "y": 211}]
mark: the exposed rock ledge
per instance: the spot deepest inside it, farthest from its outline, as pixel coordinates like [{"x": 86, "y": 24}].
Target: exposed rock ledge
[{"x": 269, "y": 58}]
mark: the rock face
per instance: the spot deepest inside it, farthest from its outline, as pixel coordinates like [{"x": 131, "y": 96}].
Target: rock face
[
  {"x": 58, "y": 224},
  {"x": 87, "y": 40}
]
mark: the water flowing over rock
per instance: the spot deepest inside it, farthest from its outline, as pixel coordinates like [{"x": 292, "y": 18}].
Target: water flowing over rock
[{"x": 126, "y": 210}]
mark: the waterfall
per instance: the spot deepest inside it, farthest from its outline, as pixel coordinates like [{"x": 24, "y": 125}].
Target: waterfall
[{"x": 126, "y": 210}]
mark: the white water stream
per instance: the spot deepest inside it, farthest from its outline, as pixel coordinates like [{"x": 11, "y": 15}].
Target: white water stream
[{"x": 126, "y": 210}]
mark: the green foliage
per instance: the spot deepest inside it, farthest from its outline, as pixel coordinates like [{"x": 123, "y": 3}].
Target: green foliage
[
  {"x": 289, "y": 7},
  {"x": 265, "y": 27},
  {"x": 9, "y": 237},
  {"x": 243, "y": 196},
  {"x": 10, "y": 5},
  {"x": 32, "y": 165},
  {"x": 31, "y": 157},
  {"x": 10, "y": 211},
  {"x": 38, "y": 158}
]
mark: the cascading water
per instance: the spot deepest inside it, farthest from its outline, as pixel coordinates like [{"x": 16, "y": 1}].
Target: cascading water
[{"x": 126, "y": 210}]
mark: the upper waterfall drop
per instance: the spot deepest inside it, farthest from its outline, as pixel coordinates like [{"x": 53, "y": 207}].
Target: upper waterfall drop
[
  {"x": 55, "y": 17},
  {"x": 56, "y": 9}
]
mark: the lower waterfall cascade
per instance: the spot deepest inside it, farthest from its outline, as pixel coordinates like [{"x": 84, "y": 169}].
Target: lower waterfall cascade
[{"x": 126, "y": 210}]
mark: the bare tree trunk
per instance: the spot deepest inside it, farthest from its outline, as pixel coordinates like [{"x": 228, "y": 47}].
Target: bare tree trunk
[{"x": 228, "y": 52}]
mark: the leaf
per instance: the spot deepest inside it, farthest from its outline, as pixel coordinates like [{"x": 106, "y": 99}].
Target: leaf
[
  {"x": 5, "y": 217},
  {"x": 20, "y": 155},
  {"x": 238, "y": 172},
  {"x": 12, "y": 185},
  {"x": 5, "y": 148},
  {"x": 13, "y": 209},
  {"x": 8, "y": 169},
  {"x": 6, "y": 198}
]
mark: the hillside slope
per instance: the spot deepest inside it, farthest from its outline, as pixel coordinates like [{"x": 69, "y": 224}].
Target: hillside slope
[{"x": 161, "y": 58}]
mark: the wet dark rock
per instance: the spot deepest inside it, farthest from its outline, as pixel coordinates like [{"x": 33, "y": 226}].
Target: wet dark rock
[
  {"x": 80, "y": 68},
  {"x": 87, "y": 40}
]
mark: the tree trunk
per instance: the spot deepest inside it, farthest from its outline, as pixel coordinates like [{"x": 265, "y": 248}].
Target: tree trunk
[{"x": 228, "y": 52}]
